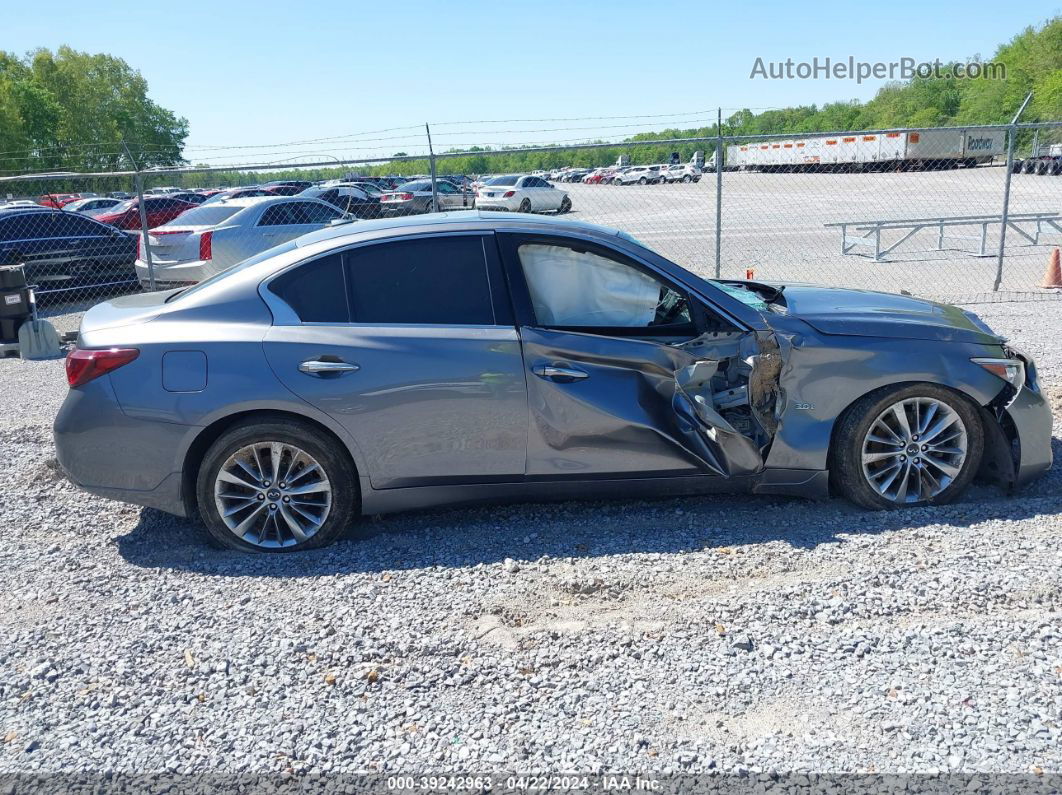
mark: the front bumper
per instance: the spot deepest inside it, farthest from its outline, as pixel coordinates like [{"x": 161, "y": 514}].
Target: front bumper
[{"x": 1030, "y": 417}]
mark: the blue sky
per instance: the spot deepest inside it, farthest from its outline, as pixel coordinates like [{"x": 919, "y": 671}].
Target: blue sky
[{"x": 275, "y": 72}]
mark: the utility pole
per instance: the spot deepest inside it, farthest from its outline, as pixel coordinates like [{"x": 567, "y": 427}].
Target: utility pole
[
  {"x": 431, "y": 161},
  {"x": 138, "y": 182}
]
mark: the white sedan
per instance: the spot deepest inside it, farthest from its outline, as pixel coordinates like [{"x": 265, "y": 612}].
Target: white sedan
[
  {"x": 216, "y": 235},
  {"x": 520, "y": 193}
]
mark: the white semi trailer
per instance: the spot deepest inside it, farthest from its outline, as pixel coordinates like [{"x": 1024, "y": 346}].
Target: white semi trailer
[{"x": 857, "y": 151}]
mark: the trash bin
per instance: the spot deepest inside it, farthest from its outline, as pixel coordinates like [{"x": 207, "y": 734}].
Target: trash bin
[{"x": 14, "y": 302}]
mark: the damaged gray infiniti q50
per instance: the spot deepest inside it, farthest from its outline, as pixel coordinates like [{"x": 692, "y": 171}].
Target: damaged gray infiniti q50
[{"x": 398, "y": 364}]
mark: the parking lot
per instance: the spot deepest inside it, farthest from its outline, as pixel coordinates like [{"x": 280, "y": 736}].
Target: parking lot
[
  {"x": 774, "y": 223},
  {"x": 713, "y": 633}
]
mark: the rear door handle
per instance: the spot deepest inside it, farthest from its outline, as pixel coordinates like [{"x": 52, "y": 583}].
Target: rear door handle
[
  {"x": 320, "y": 367},
  {"x": 552, "y": 373}
]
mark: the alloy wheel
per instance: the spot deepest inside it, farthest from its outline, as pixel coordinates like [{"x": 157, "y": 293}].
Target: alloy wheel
[
  {"x": 914, "y": 450},
  {"x": 272, "y": 494}
]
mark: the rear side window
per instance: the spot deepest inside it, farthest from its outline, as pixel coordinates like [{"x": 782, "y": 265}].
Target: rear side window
[
  {"x": 439, "y": 281},
  {"x": 315, "y": 291}
]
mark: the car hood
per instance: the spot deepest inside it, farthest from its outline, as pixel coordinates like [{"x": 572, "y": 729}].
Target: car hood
[{"x": 864, "y": 313}]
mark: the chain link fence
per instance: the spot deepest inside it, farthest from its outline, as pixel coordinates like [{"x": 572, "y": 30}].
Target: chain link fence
[{"x": 956, "y": 214}]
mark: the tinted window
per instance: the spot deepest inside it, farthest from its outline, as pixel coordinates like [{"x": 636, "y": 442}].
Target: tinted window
[
  {"x": 509, "y": 180},
  {"x": 277, "y": 215},
  {"x": 413, "y": 187},
  {"x": 71, "y": 225},
  {"x": 15, "y": 228},
  {"x": 441, "y": 280},
  {"x": 315, "y": 291},
  {"x": 316, "y": 213}
]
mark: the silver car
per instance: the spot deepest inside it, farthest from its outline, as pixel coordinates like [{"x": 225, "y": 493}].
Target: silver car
[
  {"x": 213, "y": 237},
  {"x": 404, "y": 363},
  {"x": 416, "y": 197}
]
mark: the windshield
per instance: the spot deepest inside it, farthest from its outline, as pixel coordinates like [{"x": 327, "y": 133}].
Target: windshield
[
  {"x": 506, "y": 180},
  {"x": 205, "y": 215}
]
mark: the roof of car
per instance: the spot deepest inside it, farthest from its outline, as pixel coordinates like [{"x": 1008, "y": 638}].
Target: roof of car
[{"x": 480, "y": 218}]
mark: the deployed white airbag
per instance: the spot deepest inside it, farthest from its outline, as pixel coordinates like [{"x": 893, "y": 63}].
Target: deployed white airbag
[{"x": 573, "y": 288}]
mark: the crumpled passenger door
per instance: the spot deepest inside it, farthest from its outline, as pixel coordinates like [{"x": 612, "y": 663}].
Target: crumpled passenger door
[{"x": 616, "y": 406}]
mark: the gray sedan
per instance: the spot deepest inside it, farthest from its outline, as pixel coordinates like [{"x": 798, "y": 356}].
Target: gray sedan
[
  {"x": 397, "y": 364},
  {"x": 416, "y": 197}
]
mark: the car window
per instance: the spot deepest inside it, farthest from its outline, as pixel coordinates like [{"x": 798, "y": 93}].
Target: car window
[
  {"x": 445, "y": 187},
  {"x": 315, "y": 290},
  {"x": 440, "y": 280},
  {"x": 206, "y": 215},
  {"x": 277, "y": 215},
  {"x": 576, "y": 288},
  {"x": 17, "y": 227},
  {"x": 317, "y": 212},
  {"x": 73, "y": 225}
]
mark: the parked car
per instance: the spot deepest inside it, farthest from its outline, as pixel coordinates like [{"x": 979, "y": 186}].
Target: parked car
[
  {"x": 287, "y": 187},
  {"x": 65, "y": 252},
  {"x": 575, "y": 175},
  {"x": 120, "y": 194},
  {"x": 91, "y": 204},
  {"x": 522, "y": 193},
  {"x": 215, "y": 236},
  {"x": 353, "y": 199},
  {"x": 683, "y": 172},
  {"x": 159, "y": 210},
  {"x": 598, "y": 176},
  {"x": 377, "y": 367},
  {"x": 192, "y": 197},
  {"x": 416, "y": 197},
  {"x": 239, "y": 193},
  {"x": 57, "y": 200},
  {"x": 640, "y": 175}
]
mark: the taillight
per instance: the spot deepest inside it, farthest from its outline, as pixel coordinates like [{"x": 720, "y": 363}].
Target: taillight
[
  {"x": 83, "y": 366},
  {"x": 405, "y": 197},
  {"x": 140, "y": 246},
  {"x": 508, "y": 194},
  {"x": 205, "y": 242}
]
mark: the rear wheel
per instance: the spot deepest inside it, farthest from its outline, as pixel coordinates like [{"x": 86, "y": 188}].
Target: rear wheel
[
  {"x": 906, "y": 447},
  {"x": 275, "y": 486},
  {"x": 525, "y": 206},
  {"x": 687, "y": 178},
  {"x": 565, "y": 205}
]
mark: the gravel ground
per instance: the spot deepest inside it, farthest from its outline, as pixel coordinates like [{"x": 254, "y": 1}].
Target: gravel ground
[{"x": 718, "y": 633}]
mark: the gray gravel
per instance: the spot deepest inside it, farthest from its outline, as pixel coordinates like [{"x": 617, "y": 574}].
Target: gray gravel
[{"x": 719, "y": 633}]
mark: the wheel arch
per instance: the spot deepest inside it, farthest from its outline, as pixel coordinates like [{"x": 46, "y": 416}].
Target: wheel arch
[
  {"x": 193, "y": 456},
  {"x": 990, "y": 439}
]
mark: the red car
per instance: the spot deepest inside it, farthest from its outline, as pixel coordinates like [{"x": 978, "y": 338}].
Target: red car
[
  {"x": 57, "y": 200},
  {"x": 597, "y": 177},
  {"x": 160, "y": 210}
]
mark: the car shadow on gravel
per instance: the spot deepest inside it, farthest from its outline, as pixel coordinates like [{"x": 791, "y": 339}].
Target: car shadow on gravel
[{"x": 462, "y": 537}]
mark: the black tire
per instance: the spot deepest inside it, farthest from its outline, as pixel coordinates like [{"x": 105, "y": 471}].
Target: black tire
[
  {"x": 846, "y": 459},
  {"x": 525, "y": 206},
  {"x": 687, "y": 178},
  {"x": 1028, "y": 166},
  {"x": 327, "y": 452},
  {"x": 565, "y": 206},
  {"x": 642, "y": 181},
  {"x": 1041, "y": 168}
]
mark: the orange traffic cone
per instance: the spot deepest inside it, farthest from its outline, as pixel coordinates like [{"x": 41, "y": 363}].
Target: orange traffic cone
[
  {"x": 750, "y": 274},
  {"x": 1053, "y": 276}
]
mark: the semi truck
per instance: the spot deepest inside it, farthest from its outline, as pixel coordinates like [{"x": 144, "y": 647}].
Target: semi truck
[{"x": 859, "y": 151}]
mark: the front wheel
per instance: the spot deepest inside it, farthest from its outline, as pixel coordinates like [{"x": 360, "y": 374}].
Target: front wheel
[
  {"x": 275, "y": 486},
  {"x": 907, "y": 447},
  {"x": 643, "y": 181}
]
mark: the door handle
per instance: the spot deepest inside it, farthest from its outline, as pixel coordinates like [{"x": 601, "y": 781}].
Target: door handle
[
  {"x": 558, "y": 373},
  {"x": 320, "y": 367}
]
